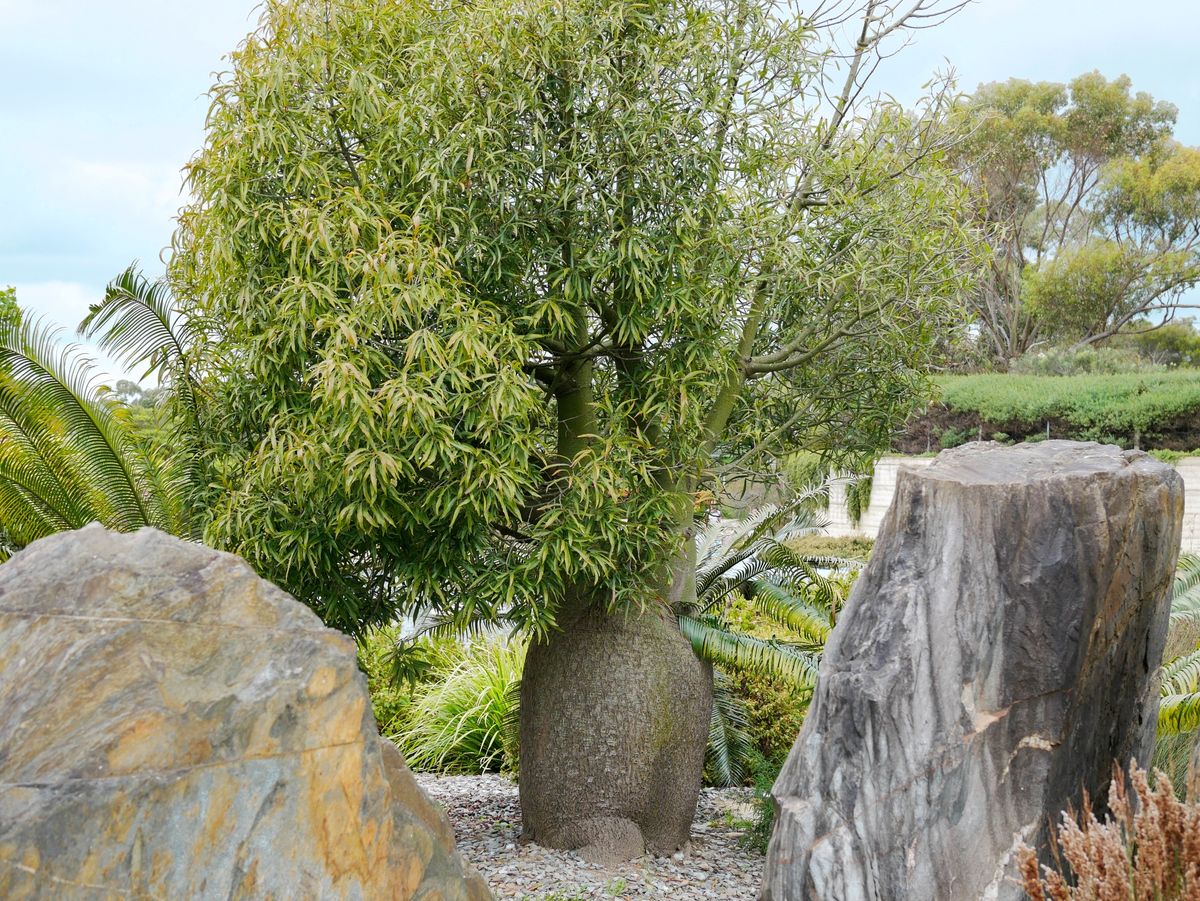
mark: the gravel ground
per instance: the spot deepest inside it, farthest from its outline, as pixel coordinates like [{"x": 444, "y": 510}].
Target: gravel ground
[{"x": 487, "y": 823}]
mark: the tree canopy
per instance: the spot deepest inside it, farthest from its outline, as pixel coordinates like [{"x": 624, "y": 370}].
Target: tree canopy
[
  {"x": 496, "y": 294},
  {"x": 1092, "y": 212}
]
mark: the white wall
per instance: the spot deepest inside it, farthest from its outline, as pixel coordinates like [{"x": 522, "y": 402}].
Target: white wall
[{"x": 883, "y": 486}]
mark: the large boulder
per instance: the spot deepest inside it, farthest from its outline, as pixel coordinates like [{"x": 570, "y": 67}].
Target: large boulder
[
  {"x": 992, "y": 662},
  {"x": 176, "y": 727}
]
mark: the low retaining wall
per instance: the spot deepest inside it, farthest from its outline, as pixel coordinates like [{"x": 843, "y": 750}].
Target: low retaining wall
[{"x": 883, "y": 486}]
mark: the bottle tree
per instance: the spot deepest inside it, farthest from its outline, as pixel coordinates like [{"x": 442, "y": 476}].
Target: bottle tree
[{"x": 501, "y": 296}]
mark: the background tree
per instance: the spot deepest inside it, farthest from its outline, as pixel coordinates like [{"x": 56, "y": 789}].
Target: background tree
[
  {"x": 500, "y": 293},
  {"x": 1091, "y": 212},
  {"x": 1171, "y": 344}
]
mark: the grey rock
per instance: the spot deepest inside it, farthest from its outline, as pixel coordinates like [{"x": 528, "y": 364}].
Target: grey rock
[
  {"x": 176, "y": 727},
  {"x": 992, "y": 662}
]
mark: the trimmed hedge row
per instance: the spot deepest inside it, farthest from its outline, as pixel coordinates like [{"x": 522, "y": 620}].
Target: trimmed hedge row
[{"x": 1150, "y": 409}]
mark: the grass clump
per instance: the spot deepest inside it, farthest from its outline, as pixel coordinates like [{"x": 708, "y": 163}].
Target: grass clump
[
  {"x": 464, "y": 720},
  {"x": 1148, "y": 847}
]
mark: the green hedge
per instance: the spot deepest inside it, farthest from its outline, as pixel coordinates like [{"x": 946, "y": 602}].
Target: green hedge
[{"x": 1097, "y": 406}]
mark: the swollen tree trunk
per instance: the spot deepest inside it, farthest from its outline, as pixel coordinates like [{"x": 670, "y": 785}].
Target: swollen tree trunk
[{"x": 614, "y": 721}]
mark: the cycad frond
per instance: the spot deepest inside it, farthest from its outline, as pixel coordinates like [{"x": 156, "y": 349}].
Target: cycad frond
[
  {"x": 52, "y": 387},
  {"x": 31, "y": 456},
  {"x": 1178, "y": 713},
  {"x": 719, "y": 592},
  {"x": 1185, "y": 592},
  {"x": 713, "y": 642},
  {"x": 792, "y": 612},
  {"x": 710, "y": 573},
  {"x": 781, "y": 521},
  {"x": 66, "y": 459},
  {"x": 791, "y": 568},
  {"x": 25, "y": 515},
  {"x": 1181, "y": 675},
  {"x": 137, "y": 323},
  {"x": 730, "y": 745}
]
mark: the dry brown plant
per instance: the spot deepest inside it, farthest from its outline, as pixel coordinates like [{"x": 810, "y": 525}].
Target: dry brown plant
[{"x": 1146, "y": 849}]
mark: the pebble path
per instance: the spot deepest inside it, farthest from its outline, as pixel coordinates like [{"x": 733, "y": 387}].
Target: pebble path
[{"x": 487, "y": 823}]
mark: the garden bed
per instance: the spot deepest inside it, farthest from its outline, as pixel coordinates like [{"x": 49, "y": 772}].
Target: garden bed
[{"x": 487, "y": 825}]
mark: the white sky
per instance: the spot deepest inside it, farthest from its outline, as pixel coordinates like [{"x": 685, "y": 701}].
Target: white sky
[{"x": 103, "y": 102}]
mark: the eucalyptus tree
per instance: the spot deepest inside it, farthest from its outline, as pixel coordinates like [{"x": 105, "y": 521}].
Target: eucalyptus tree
[
  {"x": 1091, "y": 212},
  {"x": 500, "y": 294}
]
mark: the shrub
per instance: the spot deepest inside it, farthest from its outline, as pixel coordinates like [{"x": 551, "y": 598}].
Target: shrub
[
  {"x": 850, "y": 548},
  {"x": 775, "y": 711},
  {"x": 1170, "y": 457},
  {"x": 758, "y": 830},
  {"x": 1081, "y": 361},
  {"x": 1148, "y": 848},
  {"x": 953, "y": 438},
  {"x": 389, "y": 700}
]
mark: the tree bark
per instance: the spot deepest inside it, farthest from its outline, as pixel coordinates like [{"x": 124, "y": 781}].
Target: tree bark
[{"x": 614, "y": 721}]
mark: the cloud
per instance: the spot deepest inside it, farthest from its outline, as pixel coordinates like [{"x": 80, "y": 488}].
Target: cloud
[
  {"x": 62, "y": 303},
  {"x": 146, "y": 190}
]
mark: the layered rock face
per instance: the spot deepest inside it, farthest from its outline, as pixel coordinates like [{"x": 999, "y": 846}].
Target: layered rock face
[
  {"x": 994, "y": 659},
  {"x": 176, "y": 727}
]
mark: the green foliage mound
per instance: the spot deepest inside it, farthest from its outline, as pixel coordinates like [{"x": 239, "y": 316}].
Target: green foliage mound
[{"x": 1084, "y": 407}]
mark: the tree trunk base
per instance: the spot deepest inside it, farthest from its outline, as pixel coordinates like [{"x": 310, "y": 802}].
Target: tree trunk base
[{"x": 614, "y": 721}]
